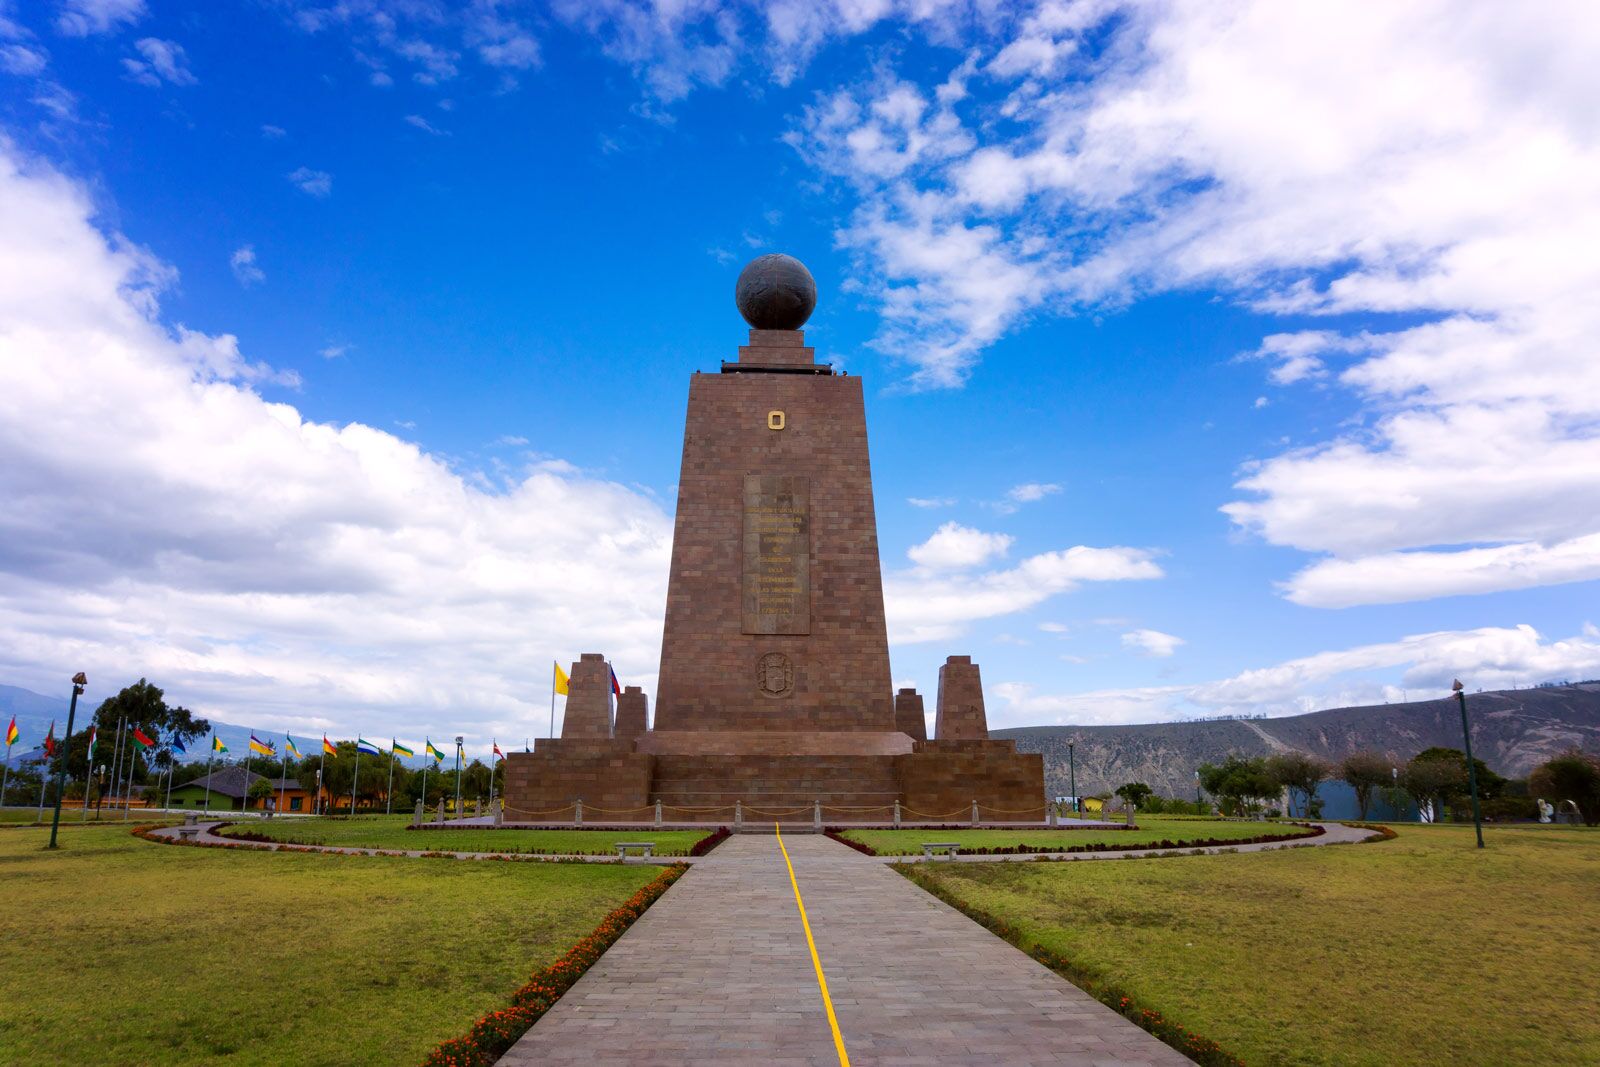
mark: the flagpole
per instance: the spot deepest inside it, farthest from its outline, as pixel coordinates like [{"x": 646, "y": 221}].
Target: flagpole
[
  {"x": 126, "y": 789},
  {"x": 44, "y": 773},
  {"x": 172, "y": 765},
  {"x": 553, "y": 668},
  {"x": 458, "y": 777},
  {"x": 388, "y": 796},
  {"x": 355, "y": 777},
  {"x": 210, "y": 752},
  {"x": 5, "y": 776},
  {"x": 285, "y": 777},
  {"x": 496, "y": 744},
  {"x": 88, "y": 778},
  {"x": 116, "y": 766},
  {"x": 425, "y": 743}
]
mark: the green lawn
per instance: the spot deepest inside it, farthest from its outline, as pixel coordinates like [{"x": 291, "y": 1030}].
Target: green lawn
[
  {"x": 1150, "y": 831},
  {"x": 74, "y": 816},
  {"x": 389, "y": 831},
  {"x": 123, "y": 951},
  {"x": 1420, "y": 950}
]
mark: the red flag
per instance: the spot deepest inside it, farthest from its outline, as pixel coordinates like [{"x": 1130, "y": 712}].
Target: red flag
[
  {"x": 497, "y": 751},
  {"x": 50, "y": 741},
  {"x": 139, "y": 736}
]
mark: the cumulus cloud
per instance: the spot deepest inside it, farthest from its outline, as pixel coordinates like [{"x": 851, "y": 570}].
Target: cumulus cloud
[
  {"x": 84, "y": 18},
  {"x": 1488, "y": 658},
  {"x": 265, "y": 568},
  {"x": 1152, "y": 643},
  {"x": 245, "y": 269},
  {"x": 317, "y": 183},
  {"x": 928, "y": 604},
  {"x": 953, "y": 546},
  {"x": 161, "y": 61}
]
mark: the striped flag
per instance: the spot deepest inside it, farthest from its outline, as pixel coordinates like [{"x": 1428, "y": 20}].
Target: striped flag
[
  {"x": 363, "y": 745},
  {"x": 327, "y": 747},
  {"x": 93, "y": 741},
  {"x": 497, "y": 753},
  {"x": 615, "y": 687},
  {"x": 144, "y": 740},
  {"x": 434, "y": 753},
  {"x": 217, "y": 745},
  {"x": 294, "y": 750},
  {"x": 50, "y": 741},
  {"x": 12, "y": 733},
  {"x": 260, "y": 747},
  {"x": 401, "y": 750},
  {"x": 176, "y": 744}
]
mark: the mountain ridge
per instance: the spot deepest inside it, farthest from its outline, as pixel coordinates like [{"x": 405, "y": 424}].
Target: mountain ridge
[{"x": 1513, "y": 731}]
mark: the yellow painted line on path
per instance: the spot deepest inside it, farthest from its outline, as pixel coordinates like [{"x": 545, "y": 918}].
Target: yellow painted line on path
[{"x": 816, "y": 961}]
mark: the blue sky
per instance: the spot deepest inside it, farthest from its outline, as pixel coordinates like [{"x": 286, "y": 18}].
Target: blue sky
[{"x": 350, "y": 343}]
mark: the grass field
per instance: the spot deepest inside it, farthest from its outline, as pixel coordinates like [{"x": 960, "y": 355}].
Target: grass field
[
  {"x": 389, "y": 831},
  {"x": 1420, "y": 950},
  {"x": 1150, "y": 831},
  {"x": 74, "y": 816},
  {"x": 123, "y": 951}
]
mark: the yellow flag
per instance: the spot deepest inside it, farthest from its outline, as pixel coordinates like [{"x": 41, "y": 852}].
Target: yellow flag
[{"x": 561, "y": 680}]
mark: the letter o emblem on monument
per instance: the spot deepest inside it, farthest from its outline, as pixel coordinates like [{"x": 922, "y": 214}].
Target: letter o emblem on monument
[{"x": 774, "y": 420}]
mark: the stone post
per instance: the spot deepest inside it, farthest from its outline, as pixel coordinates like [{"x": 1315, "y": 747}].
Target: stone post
[
  {"x": 440, "y": 817},
  {"x": 499, "y": 811},
  {"x": 974, "y": 813},
  {"x": 577, "y": 812},
  {"x": 1131, "y": 810},
  {"x": 1054, "y": 816},
  {"x": 416, "y": 819},
  {"x": 897, "y": 813},
  {"x": 816, "y": 815},
  {"x": 738, "y": 816},
  {"x": 658, "y": 813}
]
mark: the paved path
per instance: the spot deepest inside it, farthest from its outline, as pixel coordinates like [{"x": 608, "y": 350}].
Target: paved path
[{"x": 718, "y": 971}]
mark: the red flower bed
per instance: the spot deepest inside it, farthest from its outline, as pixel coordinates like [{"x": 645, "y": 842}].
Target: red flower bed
[
  {"x": 496, "y": 1032},
  {"x": 710, "y": 841},
  {"x": 1306, "y": 830}
]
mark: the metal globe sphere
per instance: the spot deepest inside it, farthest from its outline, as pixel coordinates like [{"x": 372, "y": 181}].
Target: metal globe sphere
[{"x": 775, "y": 292}]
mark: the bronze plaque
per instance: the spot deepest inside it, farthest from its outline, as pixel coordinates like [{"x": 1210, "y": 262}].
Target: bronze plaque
[{"x": 777, "y": 554}]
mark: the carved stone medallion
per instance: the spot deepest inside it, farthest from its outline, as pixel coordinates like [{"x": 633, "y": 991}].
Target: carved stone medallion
[{"x": 775, "y": 674}]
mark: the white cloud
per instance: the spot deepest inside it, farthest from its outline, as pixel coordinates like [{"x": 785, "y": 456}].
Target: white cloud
[
  {"x": 1412, "y": 667},
  {"x": 512, "y": 440},
  {"x": 243, "y": 262},
  {"x": 930, "y": 501},
  {"x": 1303, "y": 161},
  {"x": 1055, "y": 627},
  {"x": 264, "y": 568},
  {"x": 82, "y": 18},
  {"x": 1152, "y": 643},
  {"x": 924, "y": 604},
  {"x": 954, "y": 546},
  {"x": 333, "y": 351},
  {"x": 317, "y": 183},
  {"x": 164, "y": 61},
  {"x": 22, "y": 60},
  {"x": 1030, "y": 492},
  {"x": 273, "y": 133},
  {"x": 425, "y": 126}
]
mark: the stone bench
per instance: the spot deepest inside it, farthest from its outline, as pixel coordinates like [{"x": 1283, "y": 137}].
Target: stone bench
[
  {"x": 950, "y": 847},
  {"x": 649, "y": 848},
  {"x": 188, "y": 833}
]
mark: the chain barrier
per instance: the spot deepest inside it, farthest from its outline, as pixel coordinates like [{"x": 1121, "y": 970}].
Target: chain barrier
[
  {"x": 1019, "y": 811},
  {"x": 618, "y": 811},
  {"x": 924, "y": 815},
  {"x": 791, "y": 811},
  {"x": 524, "y": 811}
]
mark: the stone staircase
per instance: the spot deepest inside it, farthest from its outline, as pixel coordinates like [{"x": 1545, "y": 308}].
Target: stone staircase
[{"x": 767, "y": 785}]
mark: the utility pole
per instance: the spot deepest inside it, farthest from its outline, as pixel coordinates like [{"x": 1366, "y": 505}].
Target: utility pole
[{"x": 1472, "y": 768}]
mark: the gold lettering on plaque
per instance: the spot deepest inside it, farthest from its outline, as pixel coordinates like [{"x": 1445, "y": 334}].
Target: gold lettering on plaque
[
  {"x": 777, "y": 554},
  {"x": 774, "y": 420}
]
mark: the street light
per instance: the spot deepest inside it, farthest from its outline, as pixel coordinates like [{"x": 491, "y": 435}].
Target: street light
[
  {"x": 1072, "y": 775},
  {"x": 459, "y": 740},
  {"x": 1472, "y": 768},
  {"x": 78, "y": 684}
]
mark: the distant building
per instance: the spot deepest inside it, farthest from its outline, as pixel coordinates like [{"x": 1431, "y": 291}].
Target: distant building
[{"x": 228, "y": 788}]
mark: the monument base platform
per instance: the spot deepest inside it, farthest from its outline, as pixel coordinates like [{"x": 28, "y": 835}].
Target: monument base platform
[{"x": 931, "y": 780}]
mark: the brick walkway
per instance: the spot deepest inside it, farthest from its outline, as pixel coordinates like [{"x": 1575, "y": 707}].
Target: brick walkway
[{"x": 718, "y": 972}]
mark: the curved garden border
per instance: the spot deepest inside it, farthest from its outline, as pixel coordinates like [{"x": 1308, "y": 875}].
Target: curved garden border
[{"x": 1307, "y": 830}]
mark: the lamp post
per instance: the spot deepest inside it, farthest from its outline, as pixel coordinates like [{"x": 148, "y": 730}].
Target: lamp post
[
  {"x": 459, "y": 740},
  {"x": 1472, "y": 768},
  {"x": 78, "y": 683},
  {"x": 1072, "y": 775},
  {"x": 1197, "y": 794}
]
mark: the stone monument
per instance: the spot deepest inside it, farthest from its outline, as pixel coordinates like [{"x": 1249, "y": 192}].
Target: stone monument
[{"x": 774, "y": 691}]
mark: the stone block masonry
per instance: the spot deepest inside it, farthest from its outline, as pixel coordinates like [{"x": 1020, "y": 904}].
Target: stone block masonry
[
  {"x": 960, "y": 715},
  {"x": 588, "y": 715}
]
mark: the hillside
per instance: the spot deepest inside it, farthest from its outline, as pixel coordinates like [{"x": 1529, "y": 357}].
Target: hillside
[{"x": 1513, "y": 732}]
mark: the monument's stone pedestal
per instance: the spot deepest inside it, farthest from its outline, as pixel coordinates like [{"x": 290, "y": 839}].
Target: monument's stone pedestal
[{"x": 774, "y": 690}]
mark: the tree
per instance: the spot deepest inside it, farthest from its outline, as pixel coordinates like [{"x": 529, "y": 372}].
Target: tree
[
  {"x": 1574, "y": 775},
  {"x": 1299, "y": 772},
  {"x": 1134, "y": 793},
  {"x": 260, "y": 789},
  {"x": 1490, "y": 784},
  {"x": 1429, "y": 781},
  {"x": 1366, "y": 771},
  {"x": 1238, "y": 782}
]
